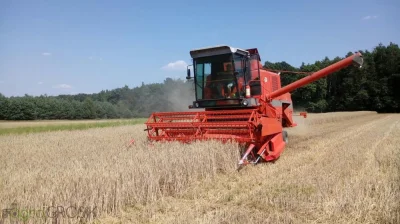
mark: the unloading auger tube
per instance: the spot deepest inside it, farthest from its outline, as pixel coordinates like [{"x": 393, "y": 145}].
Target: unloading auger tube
[
  {"x": 355, "y": 59},
  {"x": 257, "y": 125}
]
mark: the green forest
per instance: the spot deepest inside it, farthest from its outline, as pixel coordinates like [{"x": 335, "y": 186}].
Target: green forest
[{"x": 374, "y": 87}]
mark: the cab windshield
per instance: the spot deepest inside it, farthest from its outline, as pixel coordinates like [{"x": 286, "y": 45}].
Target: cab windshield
[{"x": 217, "y": 77}]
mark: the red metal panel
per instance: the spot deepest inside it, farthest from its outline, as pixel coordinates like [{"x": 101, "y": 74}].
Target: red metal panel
[
  {"x": 277, "y": 147},
  {"x": 270, "y": 126}
]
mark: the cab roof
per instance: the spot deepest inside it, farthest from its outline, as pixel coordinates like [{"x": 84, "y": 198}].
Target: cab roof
[{"x": 216, "y": 50}]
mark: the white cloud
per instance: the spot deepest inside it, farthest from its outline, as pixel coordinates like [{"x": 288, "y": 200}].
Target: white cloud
[
  {"x": 178, "y": 65},
  {"x": 46, "y": 54},
  {"x": 369, "y": 17},
  {"x": 62, "y": 86},
  {"x": 40, "y": 83}
]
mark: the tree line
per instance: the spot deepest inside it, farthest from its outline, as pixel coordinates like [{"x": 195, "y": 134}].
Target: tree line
[
  {"x": 125, "y": 102},
  {"x": 375, "y": 87}
]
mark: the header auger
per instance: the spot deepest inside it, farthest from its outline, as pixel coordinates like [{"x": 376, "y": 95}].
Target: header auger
[{"x": 242, "y": 102}]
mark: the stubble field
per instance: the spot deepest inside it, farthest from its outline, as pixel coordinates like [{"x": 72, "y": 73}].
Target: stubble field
[{"x": 337, "y": 168}]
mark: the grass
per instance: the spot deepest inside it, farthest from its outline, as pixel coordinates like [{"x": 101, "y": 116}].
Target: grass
[
  {"x": 337, "y": 168},
  {"x": 46, "y": 126}
]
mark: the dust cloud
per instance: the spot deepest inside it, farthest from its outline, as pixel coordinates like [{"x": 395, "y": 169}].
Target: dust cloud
[
  {"x": 180, "y": 97},
  {"x": 302, "y": 127}
]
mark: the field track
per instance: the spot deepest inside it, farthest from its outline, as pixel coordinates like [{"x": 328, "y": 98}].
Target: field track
[{"x": 337, "y": 168}]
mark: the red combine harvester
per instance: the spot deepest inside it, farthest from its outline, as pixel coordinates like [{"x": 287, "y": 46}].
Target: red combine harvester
[{"x": 242, "y": 102}]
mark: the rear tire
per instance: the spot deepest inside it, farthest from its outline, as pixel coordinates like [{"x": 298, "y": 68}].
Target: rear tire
[{"x": 285, "y": 137}]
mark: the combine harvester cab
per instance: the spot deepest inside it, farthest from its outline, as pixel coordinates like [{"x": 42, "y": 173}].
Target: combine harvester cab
[{"x": 242, "y": 102}]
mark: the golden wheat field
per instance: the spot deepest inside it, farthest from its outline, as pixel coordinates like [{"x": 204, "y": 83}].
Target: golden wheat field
[{"x": 337, "y": 168}]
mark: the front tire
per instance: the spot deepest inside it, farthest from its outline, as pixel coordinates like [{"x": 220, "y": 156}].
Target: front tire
[{"x": 285, "y": 137}]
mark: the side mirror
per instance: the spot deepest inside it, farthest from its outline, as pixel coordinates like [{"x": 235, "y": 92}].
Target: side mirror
[{"x": 188, "y": 73}]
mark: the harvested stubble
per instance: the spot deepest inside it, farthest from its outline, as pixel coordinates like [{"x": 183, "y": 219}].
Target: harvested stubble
[{"x": 334, "y": 170}]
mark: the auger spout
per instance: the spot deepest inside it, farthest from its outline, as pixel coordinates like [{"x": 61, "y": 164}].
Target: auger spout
[{"x": 356, "y": 59}]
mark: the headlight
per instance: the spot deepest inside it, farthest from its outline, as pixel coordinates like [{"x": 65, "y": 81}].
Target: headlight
[
  {"x": 245, "y": 102},
  {"x": 196, "y": 105}
]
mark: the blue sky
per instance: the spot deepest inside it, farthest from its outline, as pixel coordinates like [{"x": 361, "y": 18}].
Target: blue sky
[{"x": 67, "y": 47}]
